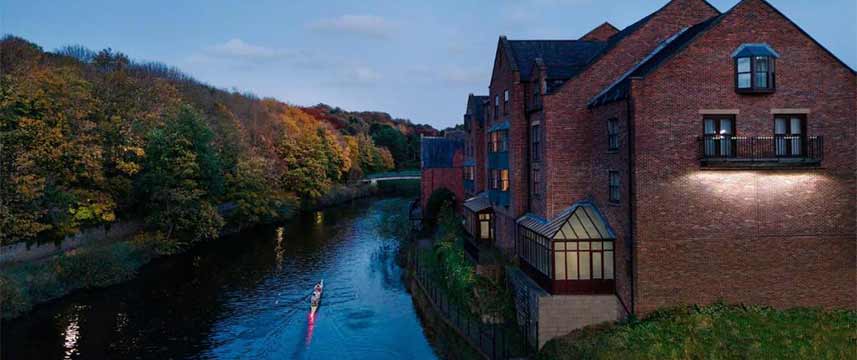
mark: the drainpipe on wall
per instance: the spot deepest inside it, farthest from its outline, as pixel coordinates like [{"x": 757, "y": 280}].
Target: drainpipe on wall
[{"x": 631, "y": 194}]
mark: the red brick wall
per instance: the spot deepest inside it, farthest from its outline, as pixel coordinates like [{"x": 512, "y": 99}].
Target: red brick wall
[
  {"x": 605, "y": 160},
  {"x": 505, "y": 78},
  {"x": 450, "y": 178},
  {"x": 779, "y": 237},
  {"x": 568, "y": 122}
]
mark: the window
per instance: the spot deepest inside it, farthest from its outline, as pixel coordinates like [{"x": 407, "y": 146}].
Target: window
[
  {"x": 486, "y": 232},
  {"x": 499, "y": 141},
  {"x": 496, "y": 106},
  {"x": 790, "y": 135},
  {"x": 613, "y": 134},
  {"x": 504, "y": 180},
  {"x": 535, "y": 250},
  {"x": 583, "y": 260},
  {"x": 537, "y": 181},
  {"x": 615, "y": 194},
  {"x": 506, "y": 101},
  {"x": 536, "y": 142},
  {"x": 536, "y": 94},
  {"x": 495, "y": 179},
  {"x": 754, "y": 74},
  {"x": 719, "y": 136},
  {"x": 469, "y": 173}
]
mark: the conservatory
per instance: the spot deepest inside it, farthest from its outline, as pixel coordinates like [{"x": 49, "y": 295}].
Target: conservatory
[{"x": 571, "y": 254}]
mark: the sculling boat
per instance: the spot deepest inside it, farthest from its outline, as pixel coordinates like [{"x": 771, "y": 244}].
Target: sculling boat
[{"x": 315, "y": 301}]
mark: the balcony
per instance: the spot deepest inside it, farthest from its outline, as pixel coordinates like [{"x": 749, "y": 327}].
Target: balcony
[{"x": 721, "y": 151}]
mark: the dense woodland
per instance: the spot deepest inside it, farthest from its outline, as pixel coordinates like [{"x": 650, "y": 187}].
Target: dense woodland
[{"x": 87, "y": 138}]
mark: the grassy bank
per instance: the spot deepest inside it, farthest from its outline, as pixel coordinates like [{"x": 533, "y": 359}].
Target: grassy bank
[
  {"x": 24, "y": 285},
  {"x": 717, "y": 332}
]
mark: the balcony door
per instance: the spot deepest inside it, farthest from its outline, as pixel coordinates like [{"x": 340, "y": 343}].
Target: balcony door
[
  {"x": 719, "y": 132},
  {"x": 789, "y": 135}
]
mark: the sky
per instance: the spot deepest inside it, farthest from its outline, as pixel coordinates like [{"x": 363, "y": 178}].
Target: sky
[{"x": 414, "y": 59}]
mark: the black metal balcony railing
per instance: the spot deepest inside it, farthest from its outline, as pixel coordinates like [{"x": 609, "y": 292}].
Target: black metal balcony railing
[{"x": 761, "y": 149}]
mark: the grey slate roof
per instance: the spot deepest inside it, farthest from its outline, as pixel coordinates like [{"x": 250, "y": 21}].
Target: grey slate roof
[
  {"x": 562, "y": 58},
  {"x": 747, "y": 50},
  {"x": 478, "y": 203},
  {"x": 580, "y": 221},
  {"x": 438, "y": 152},
  {"x": 499, "y": 126}
]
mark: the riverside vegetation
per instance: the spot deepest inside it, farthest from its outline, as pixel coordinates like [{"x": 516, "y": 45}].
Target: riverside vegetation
[
  {"x": 90, "y": 138},
  {"x": 716, "y": 331}
]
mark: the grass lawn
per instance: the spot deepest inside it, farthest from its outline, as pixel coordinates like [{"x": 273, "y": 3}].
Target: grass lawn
[{"x": 716, "y": 332}]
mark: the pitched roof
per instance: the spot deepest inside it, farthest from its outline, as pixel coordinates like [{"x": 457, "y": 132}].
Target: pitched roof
[
  {"x": 476, "y": 106},
  {"x": 562, "y": 58},
  {"x": 478, "y": 203},
  {"x": 619, "y": 89},
  {"x": 580, "y": 221},
  {"x": 436, "y": 152},
  {"x": 604, "y": 27}
]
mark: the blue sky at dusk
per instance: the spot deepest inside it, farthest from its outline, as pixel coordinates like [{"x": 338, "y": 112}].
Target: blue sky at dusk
[{"x": 413, "y": 59}]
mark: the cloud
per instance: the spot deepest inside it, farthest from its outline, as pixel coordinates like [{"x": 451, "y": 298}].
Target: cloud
[
  {"x": 237, "y": 48},
  {"x": 366, "y": 25},
  {"x": 237, "y": 52},
  {"x": 355, "y": 76}
]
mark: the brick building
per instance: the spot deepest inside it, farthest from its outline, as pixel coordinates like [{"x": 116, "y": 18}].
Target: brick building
[
  {"x": 691, "y": 157},
  {"x": 441, "y": 164}
]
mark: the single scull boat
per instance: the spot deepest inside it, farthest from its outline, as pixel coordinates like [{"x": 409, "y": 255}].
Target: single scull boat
[{"x": 316, "y": 297}]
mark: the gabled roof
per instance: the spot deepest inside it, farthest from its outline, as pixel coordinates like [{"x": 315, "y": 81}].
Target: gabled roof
[
  {"x": 631, "y": 29},
  {"x": 604, "y": 27},
  {"x": 580, "y": 221},
  {"x": 476, "y": 106},
  {"x": 437, "y": 152},
  {"x": 620, "y": 88},
  {"x": 562, "y": 58}
]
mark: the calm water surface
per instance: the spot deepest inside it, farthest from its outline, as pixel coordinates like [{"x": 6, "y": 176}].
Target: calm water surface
[{"x": 244, "y": 297}]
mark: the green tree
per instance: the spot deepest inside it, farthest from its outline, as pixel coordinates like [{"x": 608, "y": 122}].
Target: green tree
[
  {"x": 181, "y": 177},
  {"x": 306, "y": 166},
  {"x": 256, "y": 200},
  {"x": 392, "y": 139}
]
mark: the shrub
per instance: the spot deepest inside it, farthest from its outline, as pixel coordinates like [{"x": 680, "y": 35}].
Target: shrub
[{"x": 438, "y": 200}]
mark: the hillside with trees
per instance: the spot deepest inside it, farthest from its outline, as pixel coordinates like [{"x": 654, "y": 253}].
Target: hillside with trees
[{"x": 87, "y": 138}]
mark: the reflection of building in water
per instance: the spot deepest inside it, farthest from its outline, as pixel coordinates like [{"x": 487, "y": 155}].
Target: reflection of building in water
[{"x": 319, "y": 217}]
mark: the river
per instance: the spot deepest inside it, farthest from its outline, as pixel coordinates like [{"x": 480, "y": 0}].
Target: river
[{"x": 244, "y": 297}]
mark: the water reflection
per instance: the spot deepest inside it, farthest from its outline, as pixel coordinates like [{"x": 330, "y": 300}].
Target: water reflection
[
  {"x": 246, "y": 296},
  {"x": 71, "y": 334}
]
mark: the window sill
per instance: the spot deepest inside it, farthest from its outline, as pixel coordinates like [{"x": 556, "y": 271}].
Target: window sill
[
  {"x": 614, "y": 203},
  {"x": 755, "y": 91},
  {"x": 613, "y": 151},
  {"x": 799, "y": 163}
]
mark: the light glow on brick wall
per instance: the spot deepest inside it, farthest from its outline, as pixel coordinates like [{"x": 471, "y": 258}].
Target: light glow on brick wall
[{"x": 730, "y": 183}]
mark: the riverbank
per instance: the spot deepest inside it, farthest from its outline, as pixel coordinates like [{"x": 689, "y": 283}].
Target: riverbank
[{"x": 26, "y": 284}]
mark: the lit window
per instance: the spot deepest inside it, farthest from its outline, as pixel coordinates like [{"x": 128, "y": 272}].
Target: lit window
[{"x": 504, "y": 180}]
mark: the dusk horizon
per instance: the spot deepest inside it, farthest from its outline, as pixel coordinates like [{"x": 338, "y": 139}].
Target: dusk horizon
[{"x": 374, "y": 56}]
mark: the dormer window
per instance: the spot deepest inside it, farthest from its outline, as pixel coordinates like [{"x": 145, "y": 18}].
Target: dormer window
[{"x": 754, "y": 68}]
